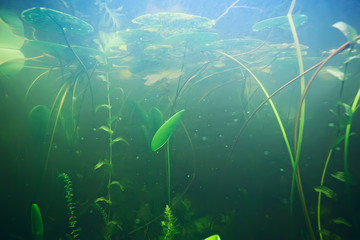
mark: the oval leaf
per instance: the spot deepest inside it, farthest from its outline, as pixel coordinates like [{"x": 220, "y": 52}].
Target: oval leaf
[{"x": 164, "y": 133}]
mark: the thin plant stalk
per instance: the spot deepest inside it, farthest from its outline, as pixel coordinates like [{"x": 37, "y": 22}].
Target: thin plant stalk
[
  {"x": 110, "y": 139},
  {"x": 298, "y": 138},
  {"x": 271, "y": 104},
  {"x": 168, "y": 172},
  {"x": 319, "y": 195}
]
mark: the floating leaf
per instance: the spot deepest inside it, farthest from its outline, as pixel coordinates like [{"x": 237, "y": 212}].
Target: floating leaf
[
  {"x": 348, "y": 31},
  {"x": 118, "y": 139},
  {"x": 102, "y": 199},
  {"x": 100, "y": 164},
  {"x": 341, "y": 220},
  {"x": 49, "y": 20},
  {"x": 106, "y": 129},
  {"x": 102, "y": 106},
  {"x": 280, "y": 22},
  {"x": 213, "y": 237},
  {"x": 116, "y": 183},
  {"x": 326, "y": 191},
  {"x": 164, "y": 133},
  {"x": 169, "y": 74}
]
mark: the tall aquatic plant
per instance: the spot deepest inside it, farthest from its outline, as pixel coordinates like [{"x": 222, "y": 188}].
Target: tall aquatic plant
[
  {"x": 162, "y": 136},
  {"x": 69, "y": 197},
  {"x": 110, "y": 223}
]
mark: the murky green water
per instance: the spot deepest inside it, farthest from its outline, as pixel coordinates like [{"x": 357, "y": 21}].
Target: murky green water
[{"x": 157, "y": 120}]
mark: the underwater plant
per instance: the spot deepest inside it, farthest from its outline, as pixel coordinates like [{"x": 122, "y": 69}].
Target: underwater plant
[
  {"x": 37, "y": 226},
  {"x": 162, "y": 136},
  {"x": 213, "y": 237},
  {"x": 169, "y": 225},
  {"x": 57, "y": 61},
  {"x": 110, "y": 224},
  {"x": 69, "y": 197}
]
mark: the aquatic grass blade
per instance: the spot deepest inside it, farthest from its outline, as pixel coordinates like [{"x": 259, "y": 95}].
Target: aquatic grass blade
[
  {"x": 164, "y": 133},
  {"x": 37, "y": 227}
]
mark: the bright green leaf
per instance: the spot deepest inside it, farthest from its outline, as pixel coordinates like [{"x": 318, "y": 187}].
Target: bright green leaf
[
  {"x": 164, "y": 133},
  {"x": 100, "y": 164},
  {"x": 102, "y": 199},
  {"x": 106, "y": 129},
  {"x": 213, "y": 237},
  {"x": 118, "y": 139},
  {"x": 37, "y": 227}
]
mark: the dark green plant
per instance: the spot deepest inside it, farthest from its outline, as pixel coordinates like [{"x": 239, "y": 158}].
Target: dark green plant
[{"x": 69, "y": 197}]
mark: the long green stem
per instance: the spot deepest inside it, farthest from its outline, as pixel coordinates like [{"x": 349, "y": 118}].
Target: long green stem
[
  {"x": 319, "y": 196},
  {"x": 298, "y": 138},
  {"x": 110, "y": 138},
  {"x": 168, "y": 171},
  {"x": 271, "y": 104}
]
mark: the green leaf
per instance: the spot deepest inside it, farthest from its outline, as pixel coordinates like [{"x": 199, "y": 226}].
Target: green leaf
[
  {"x": 348, "y": 110},
  {"x": 213, "y": 237},
  {"x": 106, "y": 129},
  {"x": 118, "y": 139},
  {"x": 114, "y": 223},
  {"x": 348, "y": 31},
  {"x": 100, "y": 164},
  {"x": 352, "y": 58},
  {"x": 102, "y": 106},
  {"x": 102, "y": 199},
  {"x": 340, "y": 139},
  {"x": 113, "y": 118},
  {"x": 116, "y": 183},
  {"x": 164, "y": 133},
  {"x": 280, "y": 22},
  {"x": 113, "y": 89},
  {"x": 333, "y": 71},
  {"x": 37, "y": 227}
]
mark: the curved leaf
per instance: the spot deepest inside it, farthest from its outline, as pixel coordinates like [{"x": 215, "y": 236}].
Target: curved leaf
[
  {"x": 118, "y": 139},
  {"x": 348, "y": 31},
  {"x": 164, "y": 133}
]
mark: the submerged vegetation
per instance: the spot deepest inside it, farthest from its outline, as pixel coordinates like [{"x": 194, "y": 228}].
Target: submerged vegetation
[{"x": 95, "y": 101}]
